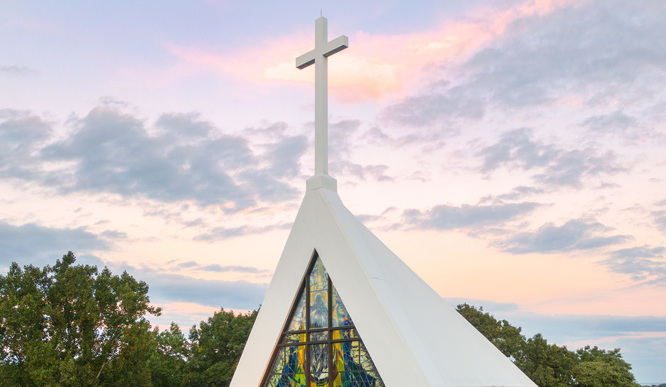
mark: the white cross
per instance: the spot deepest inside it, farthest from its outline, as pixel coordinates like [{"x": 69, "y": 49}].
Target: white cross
[{"x": 318, "y": 56}]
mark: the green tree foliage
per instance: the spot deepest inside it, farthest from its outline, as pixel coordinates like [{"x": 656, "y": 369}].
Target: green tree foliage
[
  {"x": 168, "y": 360},
  {"x": 217, "y": 345},
  {"x": 71, "y": 325},
  {"x": 549, "y": 365}
]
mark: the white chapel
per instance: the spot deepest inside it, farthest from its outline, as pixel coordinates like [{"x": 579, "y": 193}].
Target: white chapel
[{"x": 342, "y": 310}]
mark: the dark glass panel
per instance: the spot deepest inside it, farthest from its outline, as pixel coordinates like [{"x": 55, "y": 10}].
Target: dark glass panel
[
  {"x": 319, "y": 363},
  {"x": 318, "y": 336}
]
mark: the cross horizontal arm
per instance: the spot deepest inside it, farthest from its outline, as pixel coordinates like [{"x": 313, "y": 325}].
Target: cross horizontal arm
[
  {"x": 305, "y": 60},
  {"x": 336, "y": 45}
]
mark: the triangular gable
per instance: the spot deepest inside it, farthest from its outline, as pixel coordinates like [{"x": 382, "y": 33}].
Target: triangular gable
[{"x": 412, "y": 335}]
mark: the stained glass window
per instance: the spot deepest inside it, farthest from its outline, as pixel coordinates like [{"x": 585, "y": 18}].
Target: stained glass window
[{"x": 320, "y": 346}]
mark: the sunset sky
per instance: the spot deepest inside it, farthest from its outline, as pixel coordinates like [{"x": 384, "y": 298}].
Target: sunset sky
[{"x": 511, "y": 152}]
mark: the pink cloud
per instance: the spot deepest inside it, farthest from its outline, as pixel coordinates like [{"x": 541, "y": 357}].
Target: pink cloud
[{"x": 375, "y": 65}]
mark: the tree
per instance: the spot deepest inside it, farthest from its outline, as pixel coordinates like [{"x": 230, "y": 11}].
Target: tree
[
  {"x": 549, "y": 365},
  {"x": 217, "y": 346},
  {"x": 169, "y": 357},
  {"x": 598, "y": 367},
  {"x": 72, "y": 325}
]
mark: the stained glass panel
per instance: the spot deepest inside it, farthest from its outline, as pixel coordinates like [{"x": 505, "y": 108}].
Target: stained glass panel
[
  {"x": 319, "y": 336},
  {"x": 340, "y": 317},
  {"x": 366, "y": 361},
  {"x": 318, "y": 277},
  {"x": 319, "y": 347},
  {"x": 290, "y": 360},
  {"x": 298, "y": 318},
  {"x": 294, "y": 338},
  {"x": 318, "y": 296},
  {"x": 319, "y": 363}
]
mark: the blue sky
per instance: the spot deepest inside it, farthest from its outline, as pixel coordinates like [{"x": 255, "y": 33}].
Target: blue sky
[{"x": 510, "y": 152}]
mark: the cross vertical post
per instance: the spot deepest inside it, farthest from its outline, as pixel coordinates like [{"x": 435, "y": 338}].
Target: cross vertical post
[{"x": 319, "y": 57}]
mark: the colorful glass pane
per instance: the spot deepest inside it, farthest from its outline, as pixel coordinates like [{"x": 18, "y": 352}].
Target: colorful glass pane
[
  {"x": 318, "y": 276},
  {"x": 366, "y": 361},
  {"x": 318, "y": 346},
  {"x": 290, "y": 360},
  {"x": 318, "y": 296},
  {"x": 287, "y": 380},
  {"x": 294, "y": 338},
  {"x": 297, "y": 322},
  {"x": 319, "y": 309},
  {"x": 339, "y": 314},
  {"x": 342, "y": 334}
]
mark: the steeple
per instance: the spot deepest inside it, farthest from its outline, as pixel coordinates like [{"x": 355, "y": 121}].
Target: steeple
[{"x": 343, "y": 310}]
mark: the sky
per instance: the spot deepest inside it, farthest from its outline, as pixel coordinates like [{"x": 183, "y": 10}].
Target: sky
[{"x": 511, "y": 152}]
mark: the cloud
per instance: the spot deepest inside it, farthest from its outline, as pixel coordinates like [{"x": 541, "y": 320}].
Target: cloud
[
  {"x": 39, "y": 246},
  {"x": 235, "y": 269},
  {"x": 600, "y": 50},
  {"x": 444, "y": 217},
  {"x": 598, "y": 53},
  {"x": 285, "y": 155},
  {"x": 21, "y": 137},
  {"x": 166, "y": 288},
  {"x": 574, "y": 235},
  {"x": 187, "y": 265},
  {"x": 643, "y": 263},
  {"x": 113, "y": 234},
  {"x": 660, "y": 220},
  {"x": 375, "y": 65},
  {"x": 361, "y": 172},
  {"x": 221, "y": 233},
  {"x": 555, "y": 166},
  {"x": 517, "y": 193},
  {"x": 615, "y": 122},
  {"x": 440, "y": 110},
  {"x": 16, "y": 70},
  {"x": 341, "y": 144},
  {"x": 219, "y": 269},
  {"x": 181, "y": 158}
]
